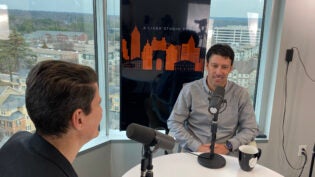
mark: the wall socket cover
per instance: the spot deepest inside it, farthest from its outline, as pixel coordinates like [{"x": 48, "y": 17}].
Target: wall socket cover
[{"x": 300, "y": 149}]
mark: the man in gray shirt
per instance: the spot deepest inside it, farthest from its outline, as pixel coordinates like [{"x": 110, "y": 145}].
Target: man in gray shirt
[{"x": 190, "y": 121}]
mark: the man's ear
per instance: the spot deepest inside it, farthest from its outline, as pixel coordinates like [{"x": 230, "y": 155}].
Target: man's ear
[{"x": 77, "y": 119}]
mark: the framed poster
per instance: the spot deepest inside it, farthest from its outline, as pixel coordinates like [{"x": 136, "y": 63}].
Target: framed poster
[{"x": 163, "y": 45}]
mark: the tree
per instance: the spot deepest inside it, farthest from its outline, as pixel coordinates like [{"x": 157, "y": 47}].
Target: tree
[{"x": 14, "y": 54}]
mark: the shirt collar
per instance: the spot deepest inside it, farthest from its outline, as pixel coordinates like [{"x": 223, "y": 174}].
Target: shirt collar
[{"x": 206, "y": 88}]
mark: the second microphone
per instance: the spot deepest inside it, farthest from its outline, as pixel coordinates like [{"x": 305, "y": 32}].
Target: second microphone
[{"x": 149, "y": 136}]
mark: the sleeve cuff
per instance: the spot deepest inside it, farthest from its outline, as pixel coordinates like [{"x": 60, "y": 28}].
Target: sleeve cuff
[
  {"x": 194, "y": 146},
  {"x": 234, "y": 143}
]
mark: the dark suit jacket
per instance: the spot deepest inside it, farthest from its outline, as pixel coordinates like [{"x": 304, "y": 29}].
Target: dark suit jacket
[{"x": 29, "y": 155}]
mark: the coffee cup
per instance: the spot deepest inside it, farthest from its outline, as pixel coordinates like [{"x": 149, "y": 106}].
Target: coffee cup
[{"x": 248, "y": 157}]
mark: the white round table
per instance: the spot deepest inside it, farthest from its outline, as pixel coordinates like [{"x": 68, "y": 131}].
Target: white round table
[{"x": 186, "y": 165}]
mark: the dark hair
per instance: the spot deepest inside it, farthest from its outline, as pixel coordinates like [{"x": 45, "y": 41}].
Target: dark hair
[
  {"x": 55, "y": 89},
  {"x": 221, "y": 49}
]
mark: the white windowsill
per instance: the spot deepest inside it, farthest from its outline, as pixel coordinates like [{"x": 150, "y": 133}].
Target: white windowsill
[
  {"x": 116, "y": 135},
  {"x": 103, "y": 138}
]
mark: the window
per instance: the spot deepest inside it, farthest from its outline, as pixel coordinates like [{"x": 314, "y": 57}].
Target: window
[
  {"x": 241, "y": 29},
  {"x": 2, "y": 124},
  {"x": 9, "y": 124},
  {"x": 113, "y": 54},
  {"x": 43, "y": 30}
]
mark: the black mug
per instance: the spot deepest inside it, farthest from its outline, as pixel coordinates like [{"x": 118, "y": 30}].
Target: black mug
[{"x": 248, "y": 157}]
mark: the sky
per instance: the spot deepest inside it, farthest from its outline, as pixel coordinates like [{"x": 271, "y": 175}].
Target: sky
[
  {"x": 230, "y": 8},
  {"x": 82, "y": 6},
  {"x": 219, "y": 8}
]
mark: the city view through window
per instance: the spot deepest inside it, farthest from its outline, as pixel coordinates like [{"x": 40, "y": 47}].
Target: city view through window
[
  {"x": 35, "y": 32},
  {"x": 32, "y": 32}
]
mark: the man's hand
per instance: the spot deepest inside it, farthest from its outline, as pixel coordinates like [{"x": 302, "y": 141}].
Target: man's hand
[
  {"x": 218, "y": 148},
  {"x": 204, "y": 148}
]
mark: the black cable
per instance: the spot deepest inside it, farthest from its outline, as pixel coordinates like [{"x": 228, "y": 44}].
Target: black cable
[
  {"x": 312, "y": 162},
  {"x": 193, "y": 153},
  {"x": 284, "y": 116},
  {"x": 306, "y": 73},
  {"x": 305, "y": 160},
  {"x": 198, "y": 155}
]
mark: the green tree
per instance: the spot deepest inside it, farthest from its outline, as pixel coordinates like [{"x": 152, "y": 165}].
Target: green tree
[
  {"x": 27, "y": 26},
  {"x": 15, "y": 54}
]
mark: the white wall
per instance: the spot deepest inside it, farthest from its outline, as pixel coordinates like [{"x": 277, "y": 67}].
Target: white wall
[
  {"x": 94, "y": 162},
  {"x": 112, "y": 159},
  {"x": 298, "y": 30}
]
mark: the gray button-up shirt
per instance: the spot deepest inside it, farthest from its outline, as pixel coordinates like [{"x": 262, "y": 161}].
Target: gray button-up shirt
[{"x": 236, "y": 123}]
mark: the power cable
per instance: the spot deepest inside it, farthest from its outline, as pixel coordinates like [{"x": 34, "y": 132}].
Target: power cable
[
  {"x": 304, "y": 68},
  {"x": 305, "y": 155},
  {"x": 283, "y": 123}
]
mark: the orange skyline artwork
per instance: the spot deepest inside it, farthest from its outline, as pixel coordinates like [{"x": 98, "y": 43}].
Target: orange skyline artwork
[{"x": 182, "y": 57}]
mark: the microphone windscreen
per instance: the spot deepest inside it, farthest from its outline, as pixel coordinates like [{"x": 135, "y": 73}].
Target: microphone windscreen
[
  {"x": 219, "y": 91},
  {"x": 216, "y": 100},
  {"x": 164, "y": 141},
  {"x": 140, "y": 133}
]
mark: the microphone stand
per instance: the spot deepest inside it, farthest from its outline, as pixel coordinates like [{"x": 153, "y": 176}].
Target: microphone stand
[
  {"x": 212, "y": 160},
  {"x": 146, "y": 162}
]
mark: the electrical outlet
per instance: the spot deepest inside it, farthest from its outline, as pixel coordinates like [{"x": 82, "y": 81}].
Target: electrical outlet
[{"x": 300, "y": 149}]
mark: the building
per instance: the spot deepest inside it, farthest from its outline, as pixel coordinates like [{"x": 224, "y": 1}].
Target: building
[{"x": 13, "y": 114}]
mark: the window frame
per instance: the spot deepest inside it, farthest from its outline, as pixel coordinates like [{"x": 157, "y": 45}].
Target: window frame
[{"x": 270, "y": 49}]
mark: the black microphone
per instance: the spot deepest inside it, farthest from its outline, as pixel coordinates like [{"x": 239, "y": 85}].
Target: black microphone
[
  {"x": 213, "y": 160},
  {"x": 149, "y": 136},
  {"x": 216, "y": 100}
]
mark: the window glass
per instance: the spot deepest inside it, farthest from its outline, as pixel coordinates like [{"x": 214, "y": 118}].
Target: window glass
[
  {"x": 113, "y": 55},
  {"x": 241, "y": 28},
  {"x": 33, "y": 31}
]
